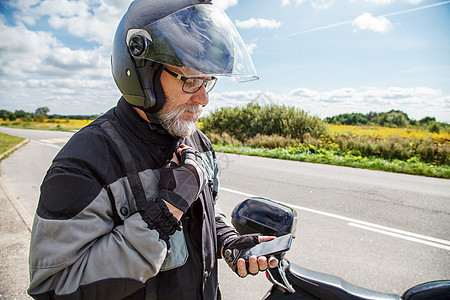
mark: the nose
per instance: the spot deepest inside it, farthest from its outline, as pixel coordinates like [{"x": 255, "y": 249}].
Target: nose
[{"x": 201, "y": 97}]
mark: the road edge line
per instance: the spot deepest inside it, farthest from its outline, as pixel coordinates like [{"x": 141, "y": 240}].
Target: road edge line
[
  {"x": 26, "y": 218},
  {"x": 406, "y": 235},
  {"x": 5, "y": 154}
]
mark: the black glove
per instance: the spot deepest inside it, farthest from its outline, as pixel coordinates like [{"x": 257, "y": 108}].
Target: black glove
[
  {"x": 234, "y": 246},
  {"x": 157, "y": 216},
  {"x": 180, "y": 185}
]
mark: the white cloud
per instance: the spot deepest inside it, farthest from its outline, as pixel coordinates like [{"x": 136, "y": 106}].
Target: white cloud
[
  {"x": 321, "y": 4},
  {"x": 36, "y": 69},
  {"x": 288, "y": 2},
  {"x": 26, "y": 53},
  {"x": 417, "y": 102},
  {"x": 251, "y": 47},
  {"x": 368, "y": 22},
  {"x": 258, "y": 23},
  {"x": 224, "y": 4},
  {"x": 67, "y": 96},
  {"x": 303, "y": 92},
  {"x": 91, "y": 20},
  {"x": 317, "y": 4}
]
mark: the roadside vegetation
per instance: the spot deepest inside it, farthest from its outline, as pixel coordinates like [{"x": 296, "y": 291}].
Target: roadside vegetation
[
  {"x": 388, "y": 141},
  {"x": 40, "y": 119},
  {"x": 8, "y": 142},
  {"x": 289, "y": 133}
]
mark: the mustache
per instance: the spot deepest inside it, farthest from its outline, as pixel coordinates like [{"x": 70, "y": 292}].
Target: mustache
[
  {"x": 195, "y": 110},
  {"x": 177, "y": 113}
]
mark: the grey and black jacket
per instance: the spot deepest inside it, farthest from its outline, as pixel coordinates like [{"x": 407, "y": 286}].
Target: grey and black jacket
[{"x": 88, "y": 242}]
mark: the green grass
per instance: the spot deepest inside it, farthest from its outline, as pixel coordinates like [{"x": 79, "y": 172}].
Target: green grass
[
  {"x": 8, "y": 141},
  {"x": 411, "y": 166}
]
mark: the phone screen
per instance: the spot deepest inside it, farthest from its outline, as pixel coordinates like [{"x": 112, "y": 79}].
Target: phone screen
[{"x": 275, "y": 246}]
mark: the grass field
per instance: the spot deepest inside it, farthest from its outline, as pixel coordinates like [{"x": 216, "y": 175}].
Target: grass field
[
  {"x": 414, "y": 151},
  {"x": 7, "y": 142}
]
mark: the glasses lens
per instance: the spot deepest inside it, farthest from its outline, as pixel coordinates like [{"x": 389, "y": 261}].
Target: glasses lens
[
  {"x": 192, "y": 85},
  {"x": 210, "y": 84}
]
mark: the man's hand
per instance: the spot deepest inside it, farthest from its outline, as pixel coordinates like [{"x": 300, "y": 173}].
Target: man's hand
[
  {"x": 232, "y": 249},
  {"x": 175, "y": 211},
  {"x": 256, "y": 264}
]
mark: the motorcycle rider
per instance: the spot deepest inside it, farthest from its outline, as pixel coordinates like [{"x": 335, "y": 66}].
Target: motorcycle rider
[{"x": 128, "y": 208}]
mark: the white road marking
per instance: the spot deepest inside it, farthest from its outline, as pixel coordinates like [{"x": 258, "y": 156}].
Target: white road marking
[
  {"x": 406, "y": 235},
  {"x": 401, "y": 236},
  {"x": 47, "y": 144},
  {"x": 54, "y": 141}
]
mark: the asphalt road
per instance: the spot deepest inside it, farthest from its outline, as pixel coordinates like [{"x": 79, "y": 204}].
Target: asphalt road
[
  {"x": 23, "y": 171},
  {"x": 383, "y": 231},
  {"x": 379, "y": 230}
]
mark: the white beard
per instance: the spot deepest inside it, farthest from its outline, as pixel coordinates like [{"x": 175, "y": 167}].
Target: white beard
[{"x": 171, "y": 119}]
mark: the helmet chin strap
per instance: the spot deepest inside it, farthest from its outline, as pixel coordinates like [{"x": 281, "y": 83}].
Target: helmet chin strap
[{"x": 157, "y": 92}]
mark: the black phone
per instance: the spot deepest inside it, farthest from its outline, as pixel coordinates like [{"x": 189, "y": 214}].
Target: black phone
[{"x": 273, "y": 247}]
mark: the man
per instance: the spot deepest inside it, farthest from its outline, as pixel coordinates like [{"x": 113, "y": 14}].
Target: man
[{"x": 128, "y": 209}]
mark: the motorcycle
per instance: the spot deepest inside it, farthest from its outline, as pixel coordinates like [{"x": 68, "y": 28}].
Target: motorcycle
[{"x": 290, "y": 281}]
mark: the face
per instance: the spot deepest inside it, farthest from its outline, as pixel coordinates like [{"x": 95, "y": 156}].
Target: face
[{"x": 181, "y": 111}]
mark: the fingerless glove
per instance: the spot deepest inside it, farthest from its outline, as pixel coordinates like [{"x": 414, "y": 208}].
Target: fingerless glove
[{"x": 233, "y": 247}]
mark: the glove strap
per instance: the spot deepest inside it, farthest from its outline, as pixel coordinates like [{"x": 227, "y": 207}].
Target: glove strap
[
  {"x": 158, "y": 217},
  {"x": 174, "y": 199}
]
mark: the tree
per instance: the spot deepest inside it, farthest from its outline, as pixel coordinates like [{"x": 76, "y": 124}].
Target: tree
[
  {"x": 4, "y": 114},
  {"x": 42, "y": 111},
  {"x": 20, "y": 113},
  {"x": 427, "y": 120}
]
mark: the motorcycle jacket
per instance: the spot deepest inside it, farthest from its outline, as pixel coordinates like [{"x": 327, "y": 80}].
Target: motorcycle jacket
[{"x": 88, "y": 241}]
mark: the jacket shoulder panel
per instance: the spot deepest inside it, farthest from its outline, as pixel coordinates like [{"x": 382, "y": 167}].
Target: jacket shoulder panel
[
  {"x": 64, "y": 195},
  {"x": 76, "y": 176}
]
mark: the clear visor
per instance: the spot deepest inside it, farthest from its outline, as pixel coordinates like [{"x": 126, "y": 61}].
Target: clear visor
[{"x": 199, "y": 40}]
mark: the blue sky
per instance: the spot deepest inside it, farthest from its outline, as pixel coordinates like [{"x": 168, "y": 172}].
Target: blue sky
[{"x": 324, "y": 56}]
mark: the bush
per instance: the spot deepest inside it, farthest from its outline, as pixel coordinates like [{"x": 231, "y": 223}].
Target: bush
[
  {"x": 427, "y": 150},
  {"x": 223, "y": 139},
  {"x": 41, "y": 118},
  {"x": 271, "y": 141},
  {"x": 246, "y": 122},
  {"x": 435, "y": 128}
]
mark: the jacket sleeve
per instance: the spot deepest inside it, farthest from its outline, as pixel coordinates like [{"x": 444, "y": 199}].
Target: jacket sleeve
[
  {"x": 224, "y": 228},
  {"x": 76, "y": 251}
]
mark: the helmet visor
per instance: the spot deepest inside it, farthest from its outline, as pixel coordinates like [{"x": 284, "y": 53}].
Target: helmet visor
[{"x": 199, "y": 40}]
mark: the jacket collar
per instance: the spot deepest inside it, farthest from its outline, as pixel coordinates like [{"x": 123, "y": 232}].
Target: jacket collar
[{"x": 147, "y": 132}]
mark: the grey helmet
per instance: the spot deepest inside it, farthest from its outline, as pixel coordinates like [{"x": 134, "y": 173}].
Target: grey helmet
[{"x": 186, "y": 34}]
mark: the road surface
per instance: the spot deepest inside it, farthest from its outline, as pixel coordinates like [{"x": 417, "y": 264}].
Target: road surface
[{"x": 380, "y": 230}]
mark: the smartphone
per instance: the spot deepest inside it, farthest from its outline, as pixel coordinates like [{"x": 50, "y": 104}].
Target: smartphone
[{"x": 275, "y": 246}]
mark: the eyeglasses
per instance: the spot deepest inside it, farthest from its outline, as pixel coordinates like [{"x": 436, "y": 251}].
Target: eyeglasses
[{"x": 192, "y": 85}]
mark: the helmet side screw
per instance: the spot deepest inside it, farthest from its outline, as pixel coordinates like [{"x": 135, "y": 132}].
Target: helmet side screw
[{"x": 137, "y": 45}]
